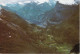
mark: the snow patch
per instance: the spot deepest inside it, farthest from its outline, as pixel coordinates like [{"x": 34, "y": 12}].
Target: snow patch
[
  {"x": 41, "y": 1},
  {"x": 22, "y": 3}
]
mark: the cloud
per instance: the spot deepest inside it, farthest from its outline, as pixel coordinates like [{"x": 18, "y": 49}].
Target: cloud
[
  {"x": 41, "y": 1},
  {"x": 69, "y": 2},
  {"x": 10, "y": 1}
]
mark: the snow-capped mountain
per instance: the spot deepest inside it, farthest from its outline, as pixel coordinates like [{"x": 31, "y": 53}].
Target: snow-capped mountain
[
  {"x": 41, "y": 14},
  {"x": 29, "y": 10}
]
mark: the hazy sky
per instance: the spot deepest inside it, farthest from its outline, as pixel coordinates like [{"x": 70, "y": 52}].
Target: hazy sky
[
  {"x": 7, "y": 1},
  {"x": 61, "y": 1}
]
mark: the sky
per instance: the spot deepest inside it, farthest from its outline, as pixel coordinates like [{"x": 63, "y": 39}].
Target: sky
[
  {"x": 66, "y": 1},
  {"x": 41, "y": 1}
]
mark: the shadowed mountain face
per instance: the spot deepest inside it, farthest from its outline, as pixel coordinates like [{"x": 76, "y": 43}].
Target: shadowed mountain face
[
  {"x": 58, "y": 14},
  {"x": 17, "y": 35}
]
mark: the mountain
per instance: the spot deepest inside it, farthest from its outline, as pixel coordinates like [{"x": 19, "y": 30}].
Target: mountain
[
  {"x": 30, "y": 11},
  {"x": 13, "y": 32},
  {"x": 42, "y": 14},
  {"x": 58, "y": 14},
  {"x": 17, "y": 33},
  {"x": 77, "y": 1}
]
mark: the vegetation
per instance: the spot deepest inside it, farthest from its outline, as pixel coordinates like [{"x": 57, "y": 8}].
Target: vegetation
[{"x": 25, "y": 37}]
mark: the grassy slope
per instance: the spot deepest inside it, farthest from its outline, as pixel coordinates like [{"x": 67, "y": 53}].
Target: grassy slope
[
  {"x": 57, "y": 39},
  {"x": 12, "y": 25}
]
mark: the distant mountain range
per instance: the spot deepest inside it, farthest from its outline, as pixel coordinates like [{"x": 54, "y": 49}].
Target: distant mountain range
[
  {"x": 43, "y": 14},
  {"x": 30, "y": 11}
]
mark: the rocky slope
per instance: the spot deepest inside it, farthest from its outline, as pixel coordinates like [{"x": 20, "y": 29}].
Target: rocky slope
[
  {"x": 12, "y": 29},
  {"x": 58, "y": 14}
]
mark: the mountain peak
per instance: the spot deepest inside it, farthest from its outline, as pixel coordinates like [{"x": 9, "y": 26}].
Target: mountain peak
[{"x": 51, "y": 2}]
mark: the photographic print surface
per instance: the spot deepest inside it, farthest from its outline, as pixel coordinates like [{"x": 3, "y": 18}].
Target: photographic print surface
[{"x": 39, "y": 26}]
